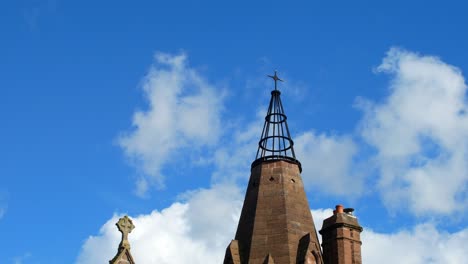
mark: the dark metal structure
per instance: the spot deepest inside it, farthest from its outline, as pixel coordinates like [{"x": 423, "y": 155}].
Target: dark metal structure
[{"x": 275, "y": 142}]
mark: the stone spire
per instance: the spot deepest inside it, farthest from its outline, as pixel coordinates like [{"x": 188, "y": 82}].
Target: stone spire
[
  {"x": 125, "y": 226},
  {"x": 276, "y": 224}
]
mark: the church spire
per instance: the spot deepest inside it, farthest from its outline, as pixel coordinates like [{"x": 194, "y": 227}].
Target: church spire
[
  {"x": 275, "y": 225},
  {"x": 276, "y": 142}
]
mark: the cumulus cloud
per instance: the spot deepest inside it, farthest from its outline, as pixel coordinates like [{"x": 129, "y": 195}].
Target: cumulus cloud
[
  {"x": 192, "y": 232},
  {"x": 420, "y": 245},
  {"x": 232, "y": 160},
  {"x": 327, "y": 160},
  {"x": 195, "y": 230},
  {"x": 327, "y": 163},
  {"x": 420, "y": 132},
  {"x": 184, "y": 111},
  {"x": 321, "y": 214}
]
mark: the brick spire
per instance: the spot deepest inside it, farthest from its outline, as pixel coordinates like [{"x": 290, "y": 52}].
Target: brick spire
[{"x": 276, "y": 224}]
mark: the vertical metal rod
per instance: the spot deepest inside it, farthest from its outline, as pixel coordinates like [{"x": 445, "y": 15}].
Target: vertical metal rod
[
  {"x": 274, "y": 122},
  {"x": 278, "y": 111}
]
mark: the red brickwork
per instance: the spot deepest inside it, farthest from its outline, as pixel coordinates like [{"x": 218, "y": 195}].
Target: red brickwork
[
  {"x": 341, "y": 238},
  {"x": 275, "y": 216}
]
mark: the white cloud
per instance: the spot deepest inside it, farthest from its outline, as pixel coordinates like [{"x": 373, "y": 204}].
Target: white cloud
[
  {"x": 421, "y": 134},
  {"x": 423, "y": 244},
  {"x": 233, "y": 158},
  {"x": 199, "y": 230},
  {"x": 184, "y": 111},
  {"x": 319, "y": 215},
  {"x": 419, "y": 131},
  {"x": 327, "y": 163},
  {"x": 196, "y": 230}
]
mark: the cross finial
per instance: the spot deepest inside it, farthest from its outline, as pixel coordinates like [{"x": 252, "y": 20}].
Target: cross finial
[
  {"x": 276, "y": 79},
  {"x": 125, "y": 226}
]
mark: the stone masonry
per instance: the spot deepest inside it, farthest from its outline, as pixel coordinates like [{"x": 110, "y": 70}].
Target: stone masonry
[
  {"x": 123, "y": 256},
  {"x": 275, "y": 217},
  {"x": 341, "y": 238}
]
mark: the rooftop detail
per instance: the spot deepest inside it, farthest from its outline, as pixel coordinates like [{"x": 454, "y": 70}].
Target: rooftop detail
[
  {"x": 125, "y": 226},
  {"x": 275, "y": 142}
]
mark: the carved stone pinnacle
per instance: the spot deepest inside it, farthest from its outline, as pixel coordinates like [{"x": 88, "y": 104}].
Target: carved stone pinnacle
[{"x": 125, "y": 226}]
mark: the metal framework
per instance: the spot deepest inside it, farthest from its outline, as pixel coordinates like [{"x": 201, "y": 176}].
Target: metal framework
[{"x": 275, "y": 142}]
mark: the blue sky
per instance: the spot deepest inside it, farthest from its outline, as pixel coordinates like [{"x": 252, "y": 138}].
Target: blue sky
[{"x": 374, "y": 94}]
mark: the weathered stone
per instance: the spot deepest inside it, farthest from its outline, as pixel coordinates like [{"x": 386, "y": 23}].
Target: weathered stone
[
  {"x": 308, "y": 251},
  {"x": 269, "y": 260},
  {"x": 275, "y": 215},
  {"x": 341, "y": 238},
  {"x": 232, "y": 253},
  {"x": 125, "y": 226}
]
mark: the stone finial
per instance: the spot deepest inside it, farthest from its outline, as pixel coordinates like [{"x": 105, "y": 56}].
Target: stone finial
[{"x": 125, "y": 226}]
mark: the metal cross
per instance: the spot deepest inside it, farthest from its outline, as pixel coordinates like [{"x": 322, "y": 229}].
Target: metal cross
[
  {"x": 125, "y": 226},
  {"x": 276, "y": 79}
]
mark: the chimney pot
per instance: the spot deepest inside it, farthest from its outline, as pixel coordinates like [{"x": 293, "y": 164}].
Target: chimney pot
[
  {"x": 349, "y": 211},
  {"x": 339, "y": 209}
]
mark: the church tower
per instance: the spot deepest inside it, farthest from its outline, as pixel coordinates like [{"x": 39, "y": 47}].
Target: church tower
[{"x": 276, "y": 225}]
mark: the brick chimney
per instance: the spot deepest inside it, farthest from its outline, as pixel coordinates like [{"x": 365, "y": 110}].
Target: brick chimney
[{"x": 341, "y": 237}]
